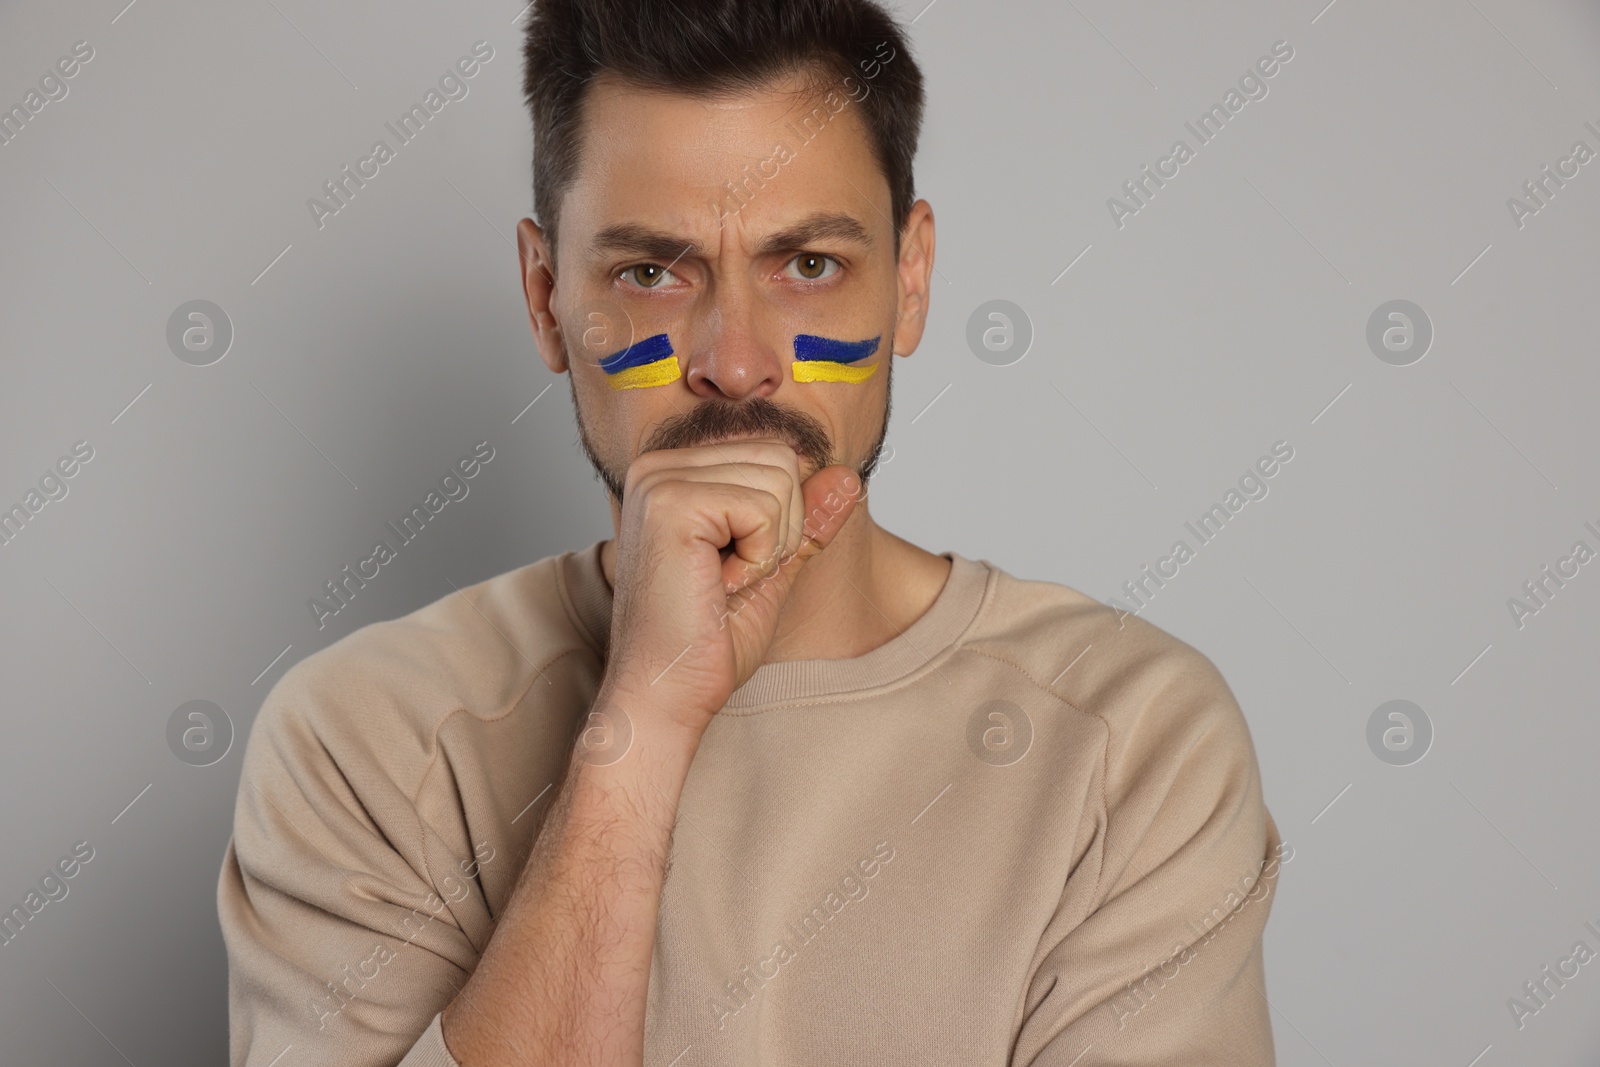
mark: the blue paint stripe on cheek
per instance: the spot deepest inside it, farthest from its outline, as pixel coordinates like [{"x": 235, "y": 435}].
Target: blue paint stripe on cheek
[
  {"x": 637, "y": 354},
  {"x": 810, "y": 346}
]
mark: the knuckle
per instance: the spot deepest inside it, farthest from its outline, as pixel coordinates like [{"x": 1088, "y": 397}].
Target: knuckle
[
  {"x": 667, "y": 492},
  {"x": 640, "y": 472},
  {"x": 659, "y": 496}
]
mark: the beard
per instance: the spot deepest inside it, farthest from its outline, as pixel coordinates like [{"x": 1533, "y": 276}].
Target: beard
[{"x": 716, "y": 418}]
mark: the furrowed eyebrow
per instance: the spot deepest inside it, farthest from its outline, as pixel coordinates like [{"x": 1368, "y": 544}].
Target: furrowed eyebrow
[
  {"x": 632, "y": 239},
  {"x": 821, "y": 226}
]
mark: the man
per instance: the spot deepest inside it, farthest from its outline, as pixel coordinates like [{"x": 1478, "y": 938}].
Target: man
[{"x": 754, "y": 781}]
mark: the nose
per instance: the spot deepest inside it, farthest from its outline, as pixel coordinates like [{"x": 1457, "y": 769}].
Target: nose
[{"x": 734, "y": 351}]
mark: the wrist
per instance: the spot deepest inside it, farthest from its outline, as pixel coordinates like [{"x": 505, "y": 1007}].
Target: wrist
[
  {"x": 649, "y": 711},
  {"x": 633, "y": 745},
  {"x": 624, "y": 782}
]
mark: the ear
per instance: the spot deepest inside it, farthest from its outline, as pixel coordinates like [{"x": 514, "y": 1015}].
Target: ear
[
  {"x": 539, "y": 285},
  {"x": 915, "y": 271}
]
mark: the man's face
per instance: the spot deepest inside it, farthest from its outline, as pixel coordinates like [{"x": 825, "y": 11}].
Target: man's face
[{"x": 731, "y": 225}]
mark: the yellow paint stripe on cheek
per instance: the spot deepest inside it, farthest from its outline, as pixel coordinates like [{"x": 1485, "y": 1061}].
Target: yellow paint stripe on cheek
[
  {"x": 661, "y": 372},
  {"x": 819, "y": 370}
]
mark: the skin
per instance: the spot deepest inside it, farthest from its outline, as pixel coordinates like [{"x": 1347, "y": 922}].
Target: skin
[{"x": 738, "y": 541}]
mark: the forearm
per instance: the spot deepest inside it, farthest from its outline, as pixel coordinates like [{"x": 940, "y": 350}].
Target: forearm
[{"x": 564, "y": 978}]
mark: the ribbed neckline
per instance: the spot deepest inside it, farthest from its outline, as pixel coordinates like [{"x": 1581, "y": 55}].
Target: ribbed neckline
[{"x": 946, "y": 619}]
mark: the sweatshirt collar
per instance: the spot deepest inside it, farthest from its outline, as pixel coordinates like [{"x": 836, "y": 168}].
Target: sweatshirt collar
[{"x": 912, "y": 651}]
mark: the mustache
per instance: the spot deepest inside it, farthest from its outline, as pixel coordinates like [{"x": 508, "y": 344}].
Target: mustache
[{"x": 714, "y": 419}]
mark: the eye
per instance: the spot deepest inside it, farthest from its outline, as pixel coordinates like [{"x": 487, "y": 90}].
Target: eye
[
  {"x": 647, "y": 275},
  {"x": 814, "y": 267}
]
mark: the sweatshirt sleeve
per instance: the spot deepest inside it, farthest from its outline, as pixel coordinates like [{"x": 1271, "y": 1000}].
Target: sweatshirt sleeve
[
  {"x": 1154, "y": 955},
  {"x": 345, "y": 928}
]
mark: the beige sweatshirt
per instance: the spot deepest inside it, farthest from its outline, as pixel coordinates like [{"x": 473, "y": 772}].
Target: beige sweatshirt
[{"x": 1026, "y": 832}]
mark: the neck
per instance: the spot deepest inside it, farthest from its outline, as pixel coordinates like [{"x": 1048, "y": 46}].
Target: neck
[{"x": 861, "y": 592}]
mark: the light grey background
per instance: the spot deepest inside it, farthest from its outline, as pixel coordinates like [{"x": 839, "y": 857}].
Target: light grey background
[{"x": 1228, "y": 314}]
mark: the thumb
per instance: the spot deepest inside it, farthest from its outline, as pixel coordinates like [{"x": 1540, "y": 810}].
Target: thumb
[{"x": 829, "y": 496}]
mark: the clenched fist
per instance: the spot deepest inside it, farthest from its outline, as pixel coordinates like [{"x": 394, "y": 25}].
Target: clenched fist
[{"x": 710, "y": 543}]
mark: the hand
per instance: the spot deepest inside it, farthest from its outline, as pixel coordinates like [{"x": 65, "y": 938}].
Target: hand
[{"x": 711, "y": 541}]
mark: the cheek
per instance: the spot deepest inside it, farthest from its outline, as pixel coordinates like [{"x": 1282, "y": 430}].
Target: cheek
[{"x": 617, "y": 423}]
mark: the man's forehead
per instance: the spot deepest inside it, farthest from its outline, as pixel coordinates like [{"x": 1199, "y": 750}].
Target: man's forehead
[{"x": 763, "y": 161}]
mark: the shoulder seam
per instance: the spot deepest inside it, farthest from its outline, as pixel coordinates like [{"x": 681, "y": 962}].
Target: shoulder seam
[
  {"x": 1105, "y": 745},
  {"x": 433, "y": 760}
]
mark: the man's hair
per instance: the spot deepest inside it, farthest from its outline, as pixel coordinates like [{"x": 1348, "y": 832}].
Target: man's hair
[{"x": 712, "y": 47}]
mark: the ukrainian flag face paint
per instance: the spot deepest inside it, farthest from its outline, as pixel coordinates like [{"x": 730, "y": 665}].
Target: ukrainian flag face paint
[
  {"x": 822, "y": 359},
  {"x": 644, "y": 363}
]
